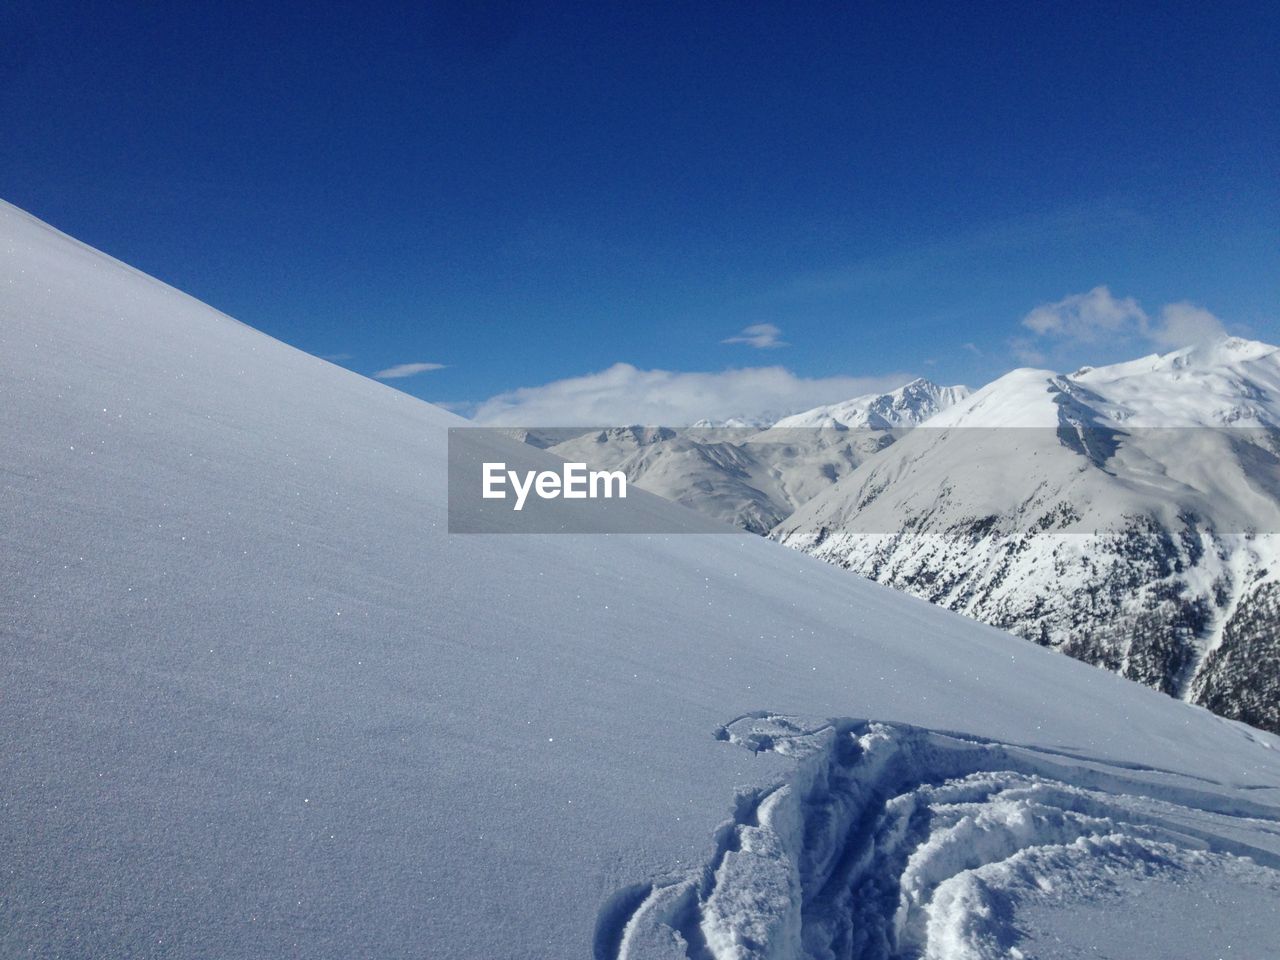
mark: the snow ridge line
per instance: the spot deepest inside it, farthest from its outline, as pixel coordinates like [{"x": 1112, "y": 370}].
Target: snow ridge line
[{"x": 889, "y": 841}]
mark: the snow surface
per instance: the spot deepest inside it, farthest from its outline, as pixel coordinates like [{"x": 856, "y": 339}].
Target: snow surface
[{"x": 257, "y": 703}]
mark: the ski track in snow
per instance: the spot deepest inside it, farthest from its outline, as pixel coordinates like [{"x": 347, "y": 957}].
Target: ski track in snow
[{"x": 894, "y": 841}]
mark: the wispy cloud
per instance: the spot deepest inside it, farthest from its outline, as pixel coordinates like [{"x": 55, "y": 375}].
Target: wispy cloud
[
  {"x": 401, "y": 370},
  {"x": 762, "y": 336},
  {"x": 1099, "y": 315},
  {"x": 624, "y": 394}
]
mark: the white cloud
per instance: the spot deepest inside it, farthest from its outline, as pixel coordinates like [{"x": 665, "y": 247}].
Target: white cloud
[
  {"x": 1182, "y": 324},
  {"x": 762, "y": 336},
  {"x": 623, "y": 394},
  {"x": 406, "y": 370},
  {"x": 1097, "y": 315},
  {"x": 1086, "y": 317}
]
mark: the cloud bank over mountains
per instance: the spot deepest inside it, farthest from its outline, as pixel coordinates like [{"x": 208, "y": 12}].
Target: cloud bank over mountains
[{"x": 624, "y": 394}]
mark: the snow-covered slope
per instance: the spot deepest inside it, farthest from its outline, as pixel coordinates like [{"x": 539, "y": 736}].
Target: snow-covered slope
[
  {"x": 257, "y": 703},
  {"x": 755, "y": 478},
  {"x": 1123, "y": 514}
]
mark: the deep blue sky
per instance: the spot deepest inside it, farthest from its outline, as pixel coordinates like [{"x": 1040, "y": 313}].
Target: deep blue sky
[{"x": 527, "y": 192}]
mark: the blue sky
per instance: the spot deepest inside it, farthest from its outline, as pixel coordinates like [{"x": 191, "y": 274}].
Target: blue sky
[{"x": 525, "y": 193}]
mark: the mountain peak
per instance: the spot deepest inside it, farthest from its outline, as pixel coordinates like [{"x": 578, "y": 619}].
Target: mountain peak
[
  {"x": 1227, "y": 381},
  {"x": 907, "y": 406},
  {"x": 1218, "y": 352}
]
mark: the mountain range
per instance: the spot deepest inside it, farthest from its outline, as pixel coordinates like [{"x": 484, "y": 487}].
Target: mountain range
[
  {"x": 1125, "y": 515},
  {"x": 754, "y": 477}
]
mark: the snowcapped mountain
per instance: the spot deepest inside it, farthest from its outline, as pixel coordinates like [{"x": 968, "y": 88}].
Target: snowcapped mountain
[
  {"x": 257, "y": 702},
  {"x": 1124, "y": 515},
  {"x": 908, "y": 406},
  {"x": 754, "y": 478}
]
